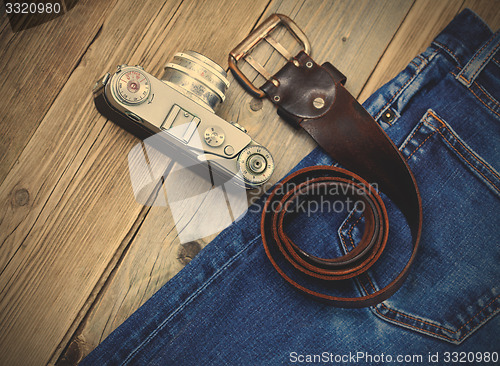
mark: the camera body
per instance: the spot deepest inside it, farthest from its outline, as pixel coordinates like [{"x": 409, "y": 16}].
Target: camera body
[{"x": 179, "y": 110}]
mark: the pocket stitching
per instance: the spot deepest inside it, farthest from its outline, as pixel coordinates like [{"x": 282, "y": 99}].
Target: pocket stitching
[
  {"x": 409, "y": 138},
  {"x": 419, "y": 146},
  {"x": 376, "y": 309},
  {"x": 342, "y": 239},
  {"x": 466, "y": 148},
  {"x": 487, "y": 95},
  {"x": 479, "y": 98},
  {"x": 420, "y": 320},
  {"x": 431, "y": 112},
  {"x": 397, "y": 312},
  {"x": 486, "y": 105},
  {"x": 478, "y": 160},
  {"x": 350, "y": 231},
  {"x": 469, "y": 163}
]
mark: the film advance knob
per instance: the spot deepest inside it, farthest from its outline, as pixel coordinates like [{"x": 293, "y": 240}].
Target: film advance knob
[{"x": 256, "y": 164}]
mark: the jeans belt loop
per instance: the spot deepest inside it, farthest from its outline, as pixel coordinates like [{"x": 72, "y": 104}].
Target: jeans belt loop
[{"x": 479, "y": 60}]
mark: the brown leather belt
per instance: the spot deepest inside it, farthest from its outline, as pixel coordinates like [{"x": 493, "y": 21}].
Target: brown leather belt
[{"x": 313, "y": 97}]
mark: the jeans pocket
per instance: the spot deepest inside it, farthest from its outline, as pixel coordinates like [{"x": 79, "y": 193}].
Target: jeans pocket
[{"x": 453, "y": 286}]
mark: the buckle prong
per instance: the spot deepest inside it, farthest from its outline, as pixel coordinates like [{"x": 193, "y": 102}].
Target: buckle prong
[
  {"x": 257, "y": 67},
  {"x": 262, "y": 32},
  {"x": 278, "y": 47}
]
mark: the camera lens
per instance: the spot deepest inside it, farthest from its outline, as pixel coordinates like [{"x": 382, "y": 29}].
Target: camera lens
[{"x": 197, "y": 77}]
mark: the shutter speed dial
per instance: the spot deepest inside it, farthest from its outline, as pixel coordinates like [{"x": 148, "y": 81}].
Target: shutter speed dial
[{"x": 256, "y": 164}]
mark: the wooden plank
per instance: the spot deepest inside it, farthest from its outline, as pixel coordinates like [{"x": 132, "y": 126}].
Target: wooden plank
[
  {"x": 59, "y": 239},
  {"x": 35, "y": 64},
  {"x": 424, "y": 21},
  {"x": 488, "y": 10},
  {"x": 78, "y": 208},
  {"x": 155, "y": 255},
  {"x": 357, "y": 31}
]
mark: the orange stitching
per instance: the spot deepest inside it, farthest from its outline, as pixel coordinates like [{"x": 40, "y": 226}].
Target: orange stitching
[
  {"x": 449, "y": 143},
  {"x": 361, "y": 283},
  {"x": 408, "y": 316},
  {"x": 475, "y": 56},
  {"x": 419, "y": 57},
  {"x": 413, "y": 326},
  {"x": 486, "y": 105},
  {"x": 396, "y": 94},
  {"x": 479, "y": 312},
  {"x": 463, "y": 78},
  {"x": 487, "y": 95},
  {"x": 465, "y": 334},
  {"x": 371, "y": 283},
  {"x": 484, "y": 61},
  {"x": 342, "y": 228},
  {"x": 369, "y": 279},
  {"x": 423, "y": 321},
  {"x": 465, "y": 147},
  {"x": 419, "y": 146},
  {"x": 343, "y": 242},
  {"x": 409, "y": 138},
  {"x": 437, "y": 326},
  {"x": 418, "y": 319},
  {"x": 431, "y": 112},
  {"x": 450, "y": 51},
  {"x": 350, "y": 230},
  {"x": 397, "y": 312}
]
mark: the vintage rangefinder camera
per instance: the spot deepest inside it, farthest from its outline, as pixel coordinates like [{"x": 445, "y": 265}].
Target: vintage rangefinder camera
[{"x": 180, "y": 110}]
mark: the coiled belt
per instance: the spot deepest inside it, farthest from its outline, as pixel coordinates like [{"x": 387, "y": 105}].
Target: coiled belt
[{"x": 313, "y": 97}]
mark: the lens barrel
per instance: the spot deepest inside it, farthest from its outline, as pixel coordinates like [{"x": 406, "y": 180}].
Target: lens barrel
[{"x": 197, "y": 77}]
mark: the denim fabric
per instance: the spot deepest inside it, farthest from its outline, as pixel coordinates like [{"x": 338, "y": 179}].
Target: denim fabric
[{"x": 230, "y": 307}]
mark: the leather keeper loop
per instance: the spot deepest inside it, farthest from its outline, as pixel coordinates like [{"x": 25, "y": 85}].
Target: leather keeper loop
[
  {"x": 300, "y": 86},
  {"x": 313, "y": 97}
]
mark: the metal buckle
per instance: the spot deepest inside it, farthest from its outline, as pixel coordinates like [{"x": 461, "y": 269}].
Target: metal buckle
[{"x": 262, "y": 32}]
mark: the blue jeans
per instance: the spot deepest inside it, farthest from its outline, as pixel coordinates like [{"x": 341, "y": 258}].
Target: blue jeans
[{"x": 230, "y": 307}]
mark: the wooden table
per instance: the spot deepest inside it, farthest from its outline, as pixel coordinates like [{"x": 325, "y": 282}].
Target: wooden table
[{"x": 78, "y": 254}]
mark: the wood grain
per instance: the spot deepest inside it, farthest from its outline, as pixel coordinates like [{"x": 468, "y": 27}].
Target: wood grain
[
  {"x": 155, "y": 254},
  {"x": 57, "y": 245},
  {"x": 488, "y": 10},
  {"x": 78, "y": 254},
  {"x": 27, "y": 57}
]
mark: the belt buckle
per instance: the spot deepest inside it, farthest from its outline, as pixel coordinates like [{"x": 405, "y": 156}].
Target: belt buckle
[{"x": 262, "y": 32}]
